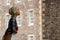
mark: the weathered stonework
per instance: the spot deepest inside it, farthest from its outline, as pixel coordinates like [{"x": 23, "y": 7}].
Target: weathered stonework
[{"x": 52, "y": 20}]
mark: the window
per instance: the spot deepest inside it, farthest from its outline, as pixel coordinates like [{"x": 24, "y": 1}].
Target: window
[
  {"x": 8, "y": 2},
  {"x": 30, "y": 17},
  {"x": 13, "y": 37},
  {"x": 0, "y": 21},
  {"x": 30, "y": 37},
  {"x": 17, "y": 1},
  {"x": 29, "y": 0},
  {"x": 7, "y": 19},
  {"x": 19, "y": 20}
]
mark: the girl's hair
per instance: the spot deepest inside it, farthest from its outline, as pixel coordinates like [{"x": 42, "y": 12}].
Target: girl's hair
[{"x": 12, "y": 10}]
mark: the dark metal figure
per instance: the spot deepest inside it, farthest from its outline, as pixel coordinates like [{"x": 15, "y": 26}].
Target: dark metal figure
[{"x": 12, "y": 26}]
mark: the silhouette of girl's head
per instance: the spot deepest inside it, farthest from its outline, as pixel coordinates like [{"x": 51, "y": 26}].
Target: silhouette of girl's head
[{"x": 14, "y": 10}]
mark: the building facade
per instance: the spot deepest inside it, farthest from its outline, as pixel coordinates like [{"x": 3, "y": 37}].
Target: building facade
[{"x": 28, "y": 21}]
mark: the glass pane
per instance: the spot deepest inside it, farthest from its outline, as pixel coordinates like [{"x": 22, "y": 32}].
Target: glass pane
[
  {"x": 18, "y": 19},
  {"x": 18, "y": 0},
  {"x": 13, "y": 37},
  {"x": 8, "y": 1},
  {"x": 7, "y": 19},
  {"x": 31, "y": 37},
  {"x": 30, "y": 16}
]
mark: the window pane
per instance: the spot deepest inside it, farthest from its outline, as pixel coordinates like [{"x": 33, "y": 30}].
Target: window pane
[
  {"x": 8, "y": 2},
  {"x": 30, "y": 17},
  {"x": 0, "y": 21},
  {"x": 19, "y": 20},
  {"x": 7, "y": 19},
  {"x": 18, "y": 0},
  {"x": 31, "y": 38},
  {"x": 13, "y": 37}
]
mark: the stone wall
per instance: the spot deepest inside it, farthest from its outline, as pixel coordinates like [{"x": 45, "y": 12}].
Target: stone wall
[
  {"x": 24, "y": 29},
  {"x": 52, "y": 20}
]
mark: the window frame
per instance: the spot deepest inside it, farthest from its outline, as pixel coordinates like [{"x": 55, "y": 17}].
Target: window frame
[
  {"x": 30, "y": 36},
  {"x": 13, "y": 37},
  {"x": 16, "y": 1},
  {"x": 6, "y": 19},
  {"x": 29, "y": 0},
  {"x": 20, "y": 19},
  {"x": 8, "y": 3},
  {"x": 0, "y": 21},
  {"x": 31, "y": 24}
]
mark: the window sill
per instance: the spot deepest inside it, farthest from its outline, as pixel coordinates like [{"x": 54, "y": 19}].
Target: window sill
[
  {"x": 19, "y": 25},
  {"x": 8, "y": 4},
  {"x": 29, "y": 0},
  {"x": 31, "y": 24}
]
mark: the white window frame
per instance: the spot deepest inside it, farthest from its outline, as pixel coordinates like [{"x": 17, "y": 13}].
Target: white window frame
[
  {"x": 6, "y": 19},
  {"x": 20, "y": 19},
  {"x": 7, "y": 2},
  {"x": 31, "y": 24},
  {"x": 16, "y": 1},
  {"x": 30, "y": 36},
  {"x": 29, "y": 0},
  {"x": 0, "y": 21},
  {"x": 13, "y": 37}
]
